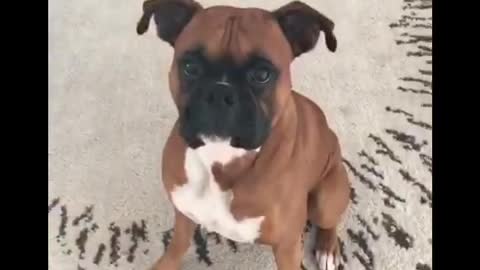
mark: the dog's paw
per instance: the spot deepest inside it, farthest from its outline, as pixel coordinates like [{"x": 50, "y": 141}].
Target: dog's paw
[{"x": 327, "y": 260}]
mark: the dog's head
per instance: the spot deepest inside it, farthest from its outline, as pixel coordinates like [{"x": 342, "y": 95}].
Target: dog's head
[{"x": 230, "y": 76}]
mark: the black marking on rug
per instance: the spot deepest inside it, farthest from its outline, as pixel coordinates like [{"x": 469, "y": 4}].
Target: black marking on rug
[
  {"x": 63, "y": 224},
  {"x": 399, "y": 24},
  {"x": 427, "y": 161},
  {"x": 415, "y": 91},
  {"x": 411, "y": 1},
  {"x": 388, "y": 203},
  {"x": 408, "y": 6},
  {"x": 367, "y": 156},
  {"x": 353, "y": 195},
  {"x": 114, "y": 243},
  {"x": 362, "y": 260},
  {"x": 421, "y": 266},
  {"x": 202, "y": 249},
  {"x": 419, "y": 53},
  {"x": 422, "y": 81},
  {"x": 99, "y": 255},
  {"x": 371, "y": 170},
  {"x": 414, "y": 40},
  {"x": 87, "y": 215},
  {"x": 405, "y": 21},
  {"x": 423, "y": 38},
  {"x": 398, "y": 234},
  {"x": 359, "y": 239},
  {"x": 425, "y": 48},
  {"x": 426, "y": 105},
  {"x": 80, "y": 268},
  {"x": 94, "y": 227},
  {"x": 367, "y": 227},
  {"x": 81, "y": 242},
  {"x": 407, "y": 177},
  {"x": 400, "y": 111},
  {"x": 422, "y": 25},
  {"x": 137, "y": 232},
  {"x": 375, "y": 220},
  {"x": 216, "y": 237},
  {"x": 385, "y": 150},
  {"x": 360, "y": 176},
  {"x": 233, "y": 245},
  {"x": 425, "y": 72},
  {"x": 406, "y": 139},
  {"x": 417, "y": 123},
  {"x": 342, "y": 250},
  {"x": 420, "y": 123},
  {"x": 414, "y": 18},
  {"x": 53, "y": 204},
  {"x": 166, "y": 238},
  {"x": 390, "y": 195},
  {"x": 145, "y": 251}
]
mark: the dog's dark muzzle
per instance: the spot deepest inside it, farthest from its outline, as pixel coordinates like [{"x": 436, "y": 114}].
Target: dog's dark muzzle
[{"x": 223, "y": 111}]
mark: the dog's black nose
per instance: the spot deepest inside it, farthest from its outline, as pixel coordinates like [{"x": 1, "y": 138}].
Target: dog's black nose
[{"x": 220, "y": 95}]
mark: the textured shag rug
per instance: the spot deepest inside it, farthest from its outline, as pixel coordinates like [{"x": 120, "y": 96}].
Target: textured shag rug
[{"x": 110, "y": 112}]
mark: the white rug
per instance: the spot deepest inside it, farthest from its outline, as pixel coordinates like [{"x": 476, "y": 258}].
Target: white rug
[{"x": 110, "y": 112}]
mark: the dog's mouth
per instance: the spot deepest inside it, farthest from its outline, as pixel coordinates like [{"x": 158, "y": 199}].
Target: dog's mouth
[
  {"x": 236, "y": 142},
  {"x": 246, "y": 127},
  {"x": 195, "y": 143}
]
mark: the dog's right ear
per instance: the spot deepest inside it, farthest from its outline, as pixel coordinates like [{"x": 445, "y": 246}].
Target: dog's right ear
[{"x": 170, "y": 16}]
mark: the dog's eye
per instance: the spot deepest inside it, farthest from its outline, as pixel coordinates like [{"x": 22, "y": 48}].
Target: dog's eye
[
  {"x": 192, "y": 70},
  {"x": 259, "y": 75}
]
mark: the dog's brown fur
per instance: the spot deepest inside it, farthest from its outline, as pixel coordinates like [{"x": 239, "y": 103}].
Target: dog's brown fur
[{"x": 298, "y": 174}]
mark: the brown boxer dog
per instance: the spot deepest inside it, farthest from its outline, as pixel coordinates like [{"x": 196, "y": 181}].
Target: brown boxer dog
[{"x": 248, "y": 157}]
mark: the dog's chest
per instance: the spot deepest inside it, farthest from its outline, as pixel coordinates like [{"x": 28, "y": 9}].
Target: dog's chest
[{"x": 202, "y": 200}]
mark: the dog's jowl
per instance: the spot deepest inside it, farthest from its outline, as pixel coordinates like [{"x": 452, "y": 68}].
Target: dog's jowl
[{"x": 248, "y": 157}]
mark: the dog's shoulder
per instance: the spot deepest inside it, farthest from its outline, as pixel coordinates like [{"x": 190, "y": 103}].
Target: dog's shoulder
[{"x": 307, "y": 106}]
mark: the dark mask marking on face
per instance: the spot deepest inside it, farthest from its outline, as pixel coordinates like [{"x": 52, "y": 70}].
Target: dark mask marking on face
[{"x": 226, "y": 98}]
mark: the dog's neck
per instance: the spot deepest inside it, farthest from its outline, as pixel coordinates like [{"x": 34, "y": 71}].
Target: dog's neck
[
  {"x": 283, "y": 136},
  {"x": 280, "y": 143}
]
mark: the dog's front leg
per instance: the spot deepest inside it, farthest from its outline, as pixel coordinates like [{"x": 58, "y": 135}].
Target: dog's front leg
[
  {"x": 183, "y": 232},
  {"x": 289, "y": 254}
]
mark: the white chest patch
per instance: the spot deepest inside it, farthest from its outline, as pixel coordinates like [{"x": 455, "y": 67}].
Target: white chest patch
[{"x": 201, "y": 198}]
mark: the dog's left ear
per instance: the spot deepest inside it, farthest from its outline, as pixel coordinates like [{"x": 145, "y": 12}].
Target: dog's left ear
[
  {"x": 170, "y": 17},
  {"x": 302, "y": 24}
]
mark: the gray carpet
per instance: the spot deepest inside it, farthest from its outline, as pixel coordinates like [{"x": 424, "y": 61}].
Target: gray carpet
[{"x": 110, "y": 112}]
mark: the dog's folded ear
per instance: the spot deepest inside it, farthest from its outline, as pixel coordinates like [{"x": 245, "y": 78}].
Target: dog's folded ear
[
  {"x": 170, "y": 17},
  {"x": 302, "y": 24}
]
